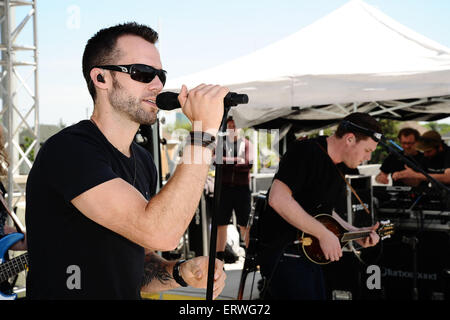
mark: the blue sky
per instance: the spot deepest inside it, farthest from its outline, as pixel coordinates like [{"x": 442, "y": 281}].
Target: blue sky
[{"x": 194, "y": 35}]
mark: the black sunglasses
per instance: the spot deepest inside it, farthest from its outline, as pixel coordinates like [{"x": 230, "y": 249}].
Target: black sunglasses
[{"x": 139, "y": 72}]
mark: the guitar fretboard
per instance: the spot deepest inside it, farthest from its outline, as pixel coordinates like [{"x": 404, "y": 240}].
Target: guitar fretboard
[
  {"x": 12, "y": 267},
  {"x": 355, "y": 235}
]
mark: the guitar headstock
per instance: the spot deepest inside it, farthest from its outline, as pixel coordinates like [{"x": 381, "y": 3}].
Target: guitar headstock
[{"x": 386, "y": 229}]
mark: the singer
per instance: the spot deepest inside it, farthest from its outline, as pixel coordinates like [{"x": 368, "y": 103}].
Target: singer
[
  {"x": 308, "y": 182},
  {"x": 93, "y": 218}
]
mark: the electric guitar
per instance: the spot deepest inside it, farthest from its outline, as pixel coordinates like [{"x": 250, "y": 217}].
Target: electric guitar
[
  {"x": 12, "y": 267},
  {"x": 311, "y": 246}
]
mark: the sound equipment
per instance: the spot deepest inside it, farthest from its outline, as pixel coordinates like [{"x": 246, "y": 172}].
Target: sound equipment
[
  {"x": 356, "y": 214},
  {"x": 404, "y": 197},
  {"x": 414, "y": 262},
  {"x": 430, "y": 251},
  {"x": 397, "y": 197},
  {"x": 412, "y": 208},
  {"x": 427, "y": 253}
]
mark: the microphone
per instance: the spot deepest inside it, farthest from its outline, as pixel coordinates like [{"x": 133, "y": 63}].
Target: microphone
[
  {"x": 169, "y": 100},
  {"x": 376, "y": 136}
]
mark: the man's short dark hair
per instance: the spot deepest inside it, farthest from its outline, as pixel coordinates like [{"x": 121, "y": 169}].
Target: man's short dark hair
[
  {"x": 407, "y": 132},
  {"x": 360, "y": 119},
  {"x": 101, "y": 48}
]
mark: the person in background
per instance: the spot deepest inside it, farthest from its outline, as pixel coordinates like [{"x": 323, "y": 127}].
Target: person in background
[
  {"x": 235, "y": 195},
  {"x": 436, "y": 160},
  {"x": 4, "y": 227},
  {"x": 408, "y": 138}
]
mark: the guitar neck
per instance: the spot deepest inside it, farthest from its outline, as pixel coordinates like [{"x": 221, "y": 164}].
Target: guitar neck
[
  {"x": 355, "y": 235},
  {"x": 12, "y": 267}
]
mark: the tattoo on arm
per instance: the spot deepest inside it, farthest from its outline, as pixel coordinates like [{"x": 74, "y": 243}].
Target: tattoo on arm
[{"x": 154, "y": 268}]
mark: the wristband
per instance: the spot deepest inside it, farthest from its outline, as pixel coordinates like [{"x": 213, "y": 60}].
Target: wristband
[
  {"x": 176, "y": 274},
  {"x": 203, "y": 139}
]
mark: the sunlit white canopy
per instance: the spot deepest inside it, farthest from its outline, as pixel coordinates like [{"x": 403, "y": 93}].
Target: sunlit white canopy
[{"x": 355, "y": 58}]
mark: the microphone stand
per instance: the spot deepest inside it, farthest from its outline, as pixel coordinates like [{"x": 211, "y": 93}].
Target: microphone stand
[
  {"x": 217, "y": 193},
  {"x": 445, "y": 192}
]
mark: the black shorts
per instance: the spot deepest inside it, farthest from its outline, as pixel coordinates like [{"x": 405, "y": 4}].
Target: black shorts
[{"x": 237, "y": 198}]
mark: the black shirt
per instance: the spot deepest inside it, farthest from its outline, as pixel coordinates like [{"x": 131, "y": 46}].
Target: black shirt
[
  {"x": 438, "y": 163},
  {"x": 62, "y": 242},
  {"x": 393, "y": 164},
  {"x": 315, "y": 184}
]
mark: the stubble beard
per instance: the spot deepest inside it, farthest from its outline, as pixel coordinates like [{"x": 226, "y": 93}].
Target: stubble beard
[{"x": 129, "y": 105}]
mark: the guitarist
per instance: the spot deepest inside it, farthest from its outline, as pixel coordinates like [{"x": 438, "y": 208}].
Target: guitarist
[
  {"x": 6, "y": 287},
  {"x": 5, "y": 229},
  {"x": 308, "y": 183}
]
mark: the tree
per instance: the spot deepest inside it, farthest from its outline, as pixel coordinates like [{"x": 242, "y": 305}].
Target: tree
[
  {"x": 390, "y": 131},
  {"x": 442, "y": 128}
]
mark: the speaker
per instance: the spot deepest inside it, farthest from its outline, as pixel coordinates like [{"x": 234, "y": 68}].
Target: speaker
[
  {"x": 396, "y": 258},
  {"x": 429, "y": 253}
]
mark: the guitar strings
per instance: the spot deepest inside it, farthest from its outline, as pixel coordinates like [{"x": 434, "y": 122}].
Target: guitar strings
[{"x": 13, "y": 266}]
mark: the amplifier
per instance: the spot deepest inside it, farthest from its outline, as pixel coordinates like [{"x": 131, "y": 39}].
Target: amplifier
[
  {"x": 400, "y": 259},
  {"x": 406, "y": 272}
]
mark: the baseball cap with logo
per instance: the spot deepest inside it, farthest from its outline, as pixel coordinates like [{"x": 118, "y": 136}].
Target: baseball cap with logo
[{"x": 429, "y": 140}]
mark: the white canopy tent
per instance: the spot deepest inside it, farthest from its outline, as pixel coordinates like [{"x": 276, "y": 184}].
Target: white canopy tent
[{"x": 354, "y": 59}]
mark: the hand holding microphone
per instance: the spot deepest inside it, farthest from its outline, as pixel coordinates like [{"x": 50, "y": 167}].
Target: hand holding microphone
[
  {"x": 169, "y": 100},
  {"x": 204, "y": 103}
]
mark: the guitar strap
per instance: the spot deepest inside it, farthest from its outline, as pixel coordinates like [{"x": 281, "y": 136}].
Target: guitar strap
[{"x": 345, "y": 180}]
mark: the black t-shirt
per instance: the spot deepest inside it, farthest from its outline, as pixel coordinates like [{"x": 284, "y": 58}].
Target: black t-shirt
[
  {"x": 315, "y": 184},
  {"x": 393, "y": 164},
  {"x": 65, "y": 247},
  {"x": 439, "y": 163}
]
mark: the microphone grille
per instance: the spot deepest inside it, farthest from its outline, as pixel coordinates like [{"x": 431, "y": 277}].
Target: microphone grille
[{"x": 167, "y": 101}]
